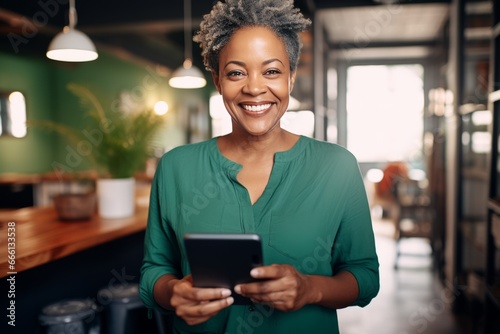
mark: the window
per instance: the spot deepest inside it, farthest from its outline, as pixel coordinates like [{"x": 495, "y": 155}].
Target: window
[{"x": 385, "y": 106}]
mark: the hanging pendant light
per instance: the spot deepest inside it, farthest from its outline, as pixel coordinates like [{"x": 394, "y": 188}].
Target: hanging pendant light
[
  {"x": 72, "y": 45},
  {"x": 187, "y": 76}
]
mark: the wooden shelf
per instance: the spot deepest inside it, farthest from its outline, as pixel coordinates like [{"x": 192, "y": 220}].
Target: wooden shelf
[
  {"x": 468, "y": 108},
  {"x": 475, "y": 173},
  {"x": 474, "y": 233},
  {"x": 494, "y": 96},
  {"x": 478, "y": 34},
  {"x": 478, "y": 8},
  {"x": 496, "y": 30},
  {"x": 494, "y": 204}
]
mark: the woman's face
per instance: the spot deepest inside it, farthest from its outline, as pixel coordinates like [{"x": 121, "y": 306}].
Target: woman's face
[{"x": 254, "y": 80}]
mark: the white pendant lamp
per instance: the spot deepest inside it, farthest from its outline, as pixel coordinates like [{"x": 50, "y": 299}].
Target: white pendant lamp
[
  {"x": 187, "y": 76},
  {"x": 71, "y": 45}
]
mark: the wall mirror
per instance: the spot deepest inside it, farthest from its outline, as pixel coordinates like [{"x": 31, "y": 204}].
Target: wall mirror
[{"x": 12, "y": 114}]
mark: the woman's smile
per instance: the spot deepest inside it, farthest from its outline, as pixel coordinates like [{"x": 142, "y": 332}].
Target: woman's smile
[{"x": 261, "y": 108}]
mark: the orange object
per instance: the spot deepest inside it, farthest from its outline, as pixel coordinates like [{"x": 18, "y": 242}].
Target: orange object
[{"x": 393, "y": 171}]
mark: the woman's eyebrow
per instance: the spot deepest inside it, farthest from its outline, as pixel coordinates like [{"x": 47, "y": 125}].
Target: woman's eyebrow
[
  {"x": 269, "y": 61},
  {"x": 240, "y": 63}
]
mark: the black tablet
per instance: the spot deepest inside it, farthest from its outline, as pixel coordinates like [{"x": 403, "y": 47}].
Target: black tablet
[{"x": 223, "y": 260}]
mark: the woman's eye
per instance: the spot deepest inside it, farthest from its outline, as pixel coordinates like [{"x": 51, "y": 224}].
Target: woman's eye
[
  {"x": 272, "y": 72},
  {"x": 234, "y": 74}
]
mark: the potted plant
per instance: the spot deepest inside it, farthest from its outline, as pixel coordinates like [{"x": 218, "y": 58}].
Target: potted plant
[{"x": 120, "y": 145}]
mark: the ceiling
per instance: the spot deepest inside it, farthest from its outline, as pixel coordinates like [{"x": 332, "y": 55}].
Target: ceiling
[
  {"x": 152, "y": 30},
  {"x": 385, "y": 32}
]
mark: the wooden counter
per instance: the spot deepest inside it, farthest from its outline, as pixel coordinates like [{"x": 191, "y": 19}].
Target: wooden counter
[
  {"x": 87, "y": 175},
  {"x": 40, "y": 237},
  {"x": 15, "y": 178}
]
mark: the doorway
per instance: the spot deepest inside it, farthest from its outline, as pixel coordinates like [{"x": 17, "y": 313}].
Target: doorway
[{"x": 384, "y": 112}]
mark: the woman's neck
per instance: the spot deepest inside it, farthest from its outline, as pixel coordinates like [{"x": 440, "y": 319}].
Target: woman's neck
[{"x": 238, "y": 147}]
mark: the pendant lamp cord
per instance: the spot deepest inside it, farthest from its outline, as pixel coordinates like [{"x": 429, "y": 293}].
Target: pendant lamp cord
[
  {"x": 72, "y": 14},
  {"x": 187, "y": 31}
]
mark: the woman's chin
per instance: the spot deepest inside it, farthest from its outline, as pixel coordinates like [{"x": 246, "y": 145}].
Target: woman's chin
[
  {"x": 259, "y": 132},
  {"x": 257, "y": 129}
]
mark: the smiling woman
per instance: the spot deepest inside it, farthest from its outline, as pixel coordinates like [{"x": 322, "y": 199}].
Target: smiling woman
[{"x": 304, "y": 198}]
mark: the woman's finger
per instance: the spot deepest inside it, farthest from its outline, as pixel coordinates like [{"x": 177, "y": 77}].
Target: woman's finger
[
  {"x": 203, "y": 311},
  {"x": 204, "y": 294}
]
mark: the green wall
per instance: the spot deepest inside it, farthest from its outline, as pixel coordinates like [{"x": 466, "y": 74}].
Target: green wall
[
  {"x": 44, "y": 84},
  {"x": 33, "y": 153}
]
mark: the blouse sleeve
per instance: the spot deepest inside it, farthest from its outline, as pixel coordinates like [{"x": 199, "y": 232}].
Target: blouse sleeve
[
  {"x": 354, "y": 247},
  {"x": 161, "y": 251}
]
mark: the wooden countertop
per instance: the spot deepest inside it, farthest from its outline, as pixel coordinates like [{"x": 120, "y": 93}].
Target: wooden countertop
[
  {"x": 89, "y": 175},
  {"x": 14, "y": 178},
  {"x": 40, "y": 237}
]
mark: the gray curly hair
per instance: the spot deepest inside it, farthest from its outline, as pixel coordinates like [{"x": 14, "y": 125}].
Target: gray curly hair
[{"x": 229, "y": 16}]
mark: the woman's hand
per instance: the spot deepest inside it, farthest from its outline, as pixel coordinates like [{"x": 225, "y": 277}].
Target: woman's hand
[
  {"x": 284, "y": 288},
  {"x": 197, "y": 305}
]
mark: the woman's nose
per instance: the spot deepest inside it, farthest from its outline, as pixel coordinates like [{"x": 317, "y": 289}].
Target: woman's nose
[{"x": 255, "y": 85}]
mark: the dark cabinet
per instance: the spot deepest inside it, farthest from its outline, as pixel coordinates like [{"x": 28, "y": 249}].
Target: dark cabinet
[
  {"x": 492, "y": 318},
  {"x": 475, "y": 145},
  {"x": 470, "y": 133},
  {"x": 16, "y": 195}
]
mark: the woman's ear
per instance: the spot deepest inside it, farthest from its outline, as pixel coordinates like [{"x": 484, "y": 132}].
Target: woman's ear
[{"x": 215, "y": 78}]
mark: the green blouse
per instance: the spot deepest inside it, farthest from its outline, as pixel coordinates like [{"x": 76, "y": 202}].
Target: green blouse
[{"x": 313, "y": 215}]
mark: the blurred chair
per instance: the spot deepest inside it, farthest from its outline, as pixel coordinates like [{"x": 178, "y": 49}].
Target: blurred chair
[
  {"x": 414, "y": 215},
  {"x": 385, "y": 191},
  {"x": 125, "y": 313}
]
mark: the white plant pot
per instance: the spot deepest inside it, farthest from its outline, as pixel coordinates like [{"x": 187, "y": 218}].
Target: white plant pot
[{"x": 116, "y": 197}]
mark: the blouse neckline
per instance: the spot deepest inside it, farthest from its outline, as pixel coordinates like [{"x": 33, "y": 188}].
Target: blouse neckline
[{"x": 281, "y": 156}]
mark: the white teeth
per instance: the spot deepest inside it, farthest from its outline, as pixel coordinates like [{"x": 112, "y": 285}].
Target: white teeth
[{"x": 257, "y": 108}]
